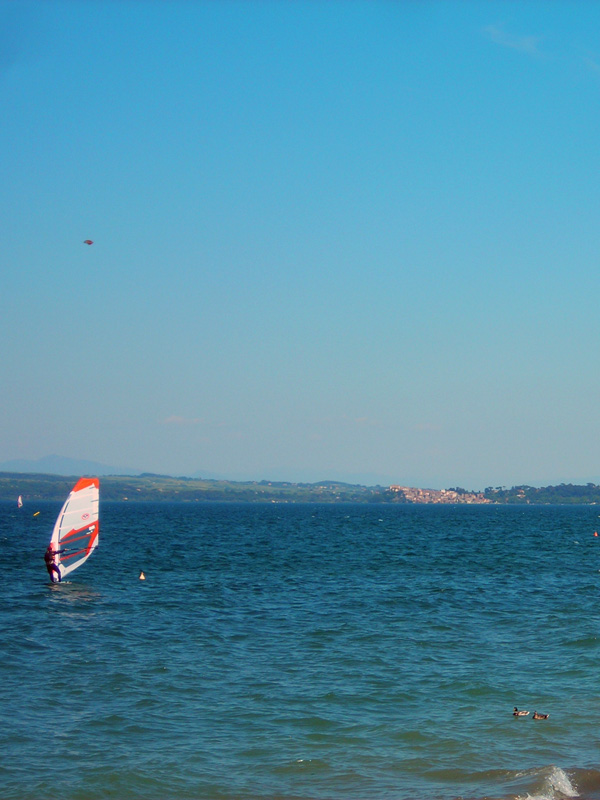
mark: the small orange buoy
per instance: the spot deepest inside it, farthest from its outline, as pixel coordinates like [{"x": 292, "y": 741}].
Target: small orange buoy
[
  {"x": 595, "y": 533},
  {"x": 142, "y": 576}
]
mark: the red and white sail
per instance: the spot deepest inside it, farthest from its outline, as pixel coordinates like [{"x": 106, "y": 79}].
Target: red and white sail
[{"x": 77, "y": 526}]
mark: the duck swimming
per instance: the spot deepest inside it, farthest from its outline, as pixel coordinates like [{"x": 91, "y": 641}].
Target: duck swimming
[
  {"x": 517, "y": 713},
  {"x": 540, "y": 716}
]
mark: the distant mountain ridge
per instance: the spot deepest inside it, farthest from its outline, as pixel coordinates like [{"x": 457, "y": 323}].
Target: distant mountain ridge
[
  {"x": 60, "y": 465},
  {"x": 160, "y": 488},
  {"x": 52, "y": 467},
  {"x": 63, "y": 466}
]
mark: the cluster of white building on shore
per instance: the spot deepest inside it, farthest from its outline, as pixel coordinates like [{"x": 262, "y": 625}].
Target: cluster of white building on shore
[{"x": 439, "y": 495}]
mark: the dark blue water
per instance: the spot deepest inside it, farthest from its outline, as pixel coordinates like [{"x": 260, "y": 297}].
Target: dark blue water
[{"x": 303, "y": 652}]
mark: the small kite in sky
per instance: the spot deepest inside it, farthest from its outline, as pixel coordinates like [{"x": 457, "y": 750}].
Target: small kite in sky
[{"x": 88, "y": 241}]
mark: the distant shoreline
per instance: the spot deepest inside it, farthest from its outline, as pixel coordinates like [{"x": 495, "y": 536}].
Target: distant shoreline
[{"x": 149, "y": 487}]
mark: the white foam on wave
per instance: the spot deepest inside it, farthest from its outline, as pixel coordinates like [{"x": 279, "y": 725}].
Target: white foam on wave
[
  {"x": 555, "y": 785},
  {"x": 560, "y": 782}
]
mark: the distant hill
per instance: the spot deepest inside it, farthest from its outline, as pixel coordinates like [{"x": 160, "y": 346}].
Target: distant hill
[
  {"x": 564, "y": 493},
  {"x": 51, "y": 478},
  {"x": 150, "y": 487},
  {"x": 59, "y": 465}
]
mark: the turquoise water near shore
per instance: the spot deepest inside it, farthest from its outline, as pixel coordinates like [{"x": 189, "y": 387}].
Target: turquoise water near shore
[{"x": 291, "y": 652}]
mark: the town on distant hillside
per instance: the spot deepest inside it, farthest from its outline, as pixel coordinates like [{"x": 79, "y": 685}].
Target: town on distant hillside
[
  {"x": 149, "y": 487},
  {"x": 411, "y": 495}
]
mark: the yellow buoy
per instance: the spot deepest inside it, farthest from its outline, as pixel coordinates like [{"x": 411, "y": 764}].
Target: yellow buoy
[{"x": 142, "y": 576}]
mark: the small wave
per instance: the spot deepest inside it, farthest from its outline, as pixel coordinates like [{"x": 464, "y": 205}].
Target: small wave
[
  {"x": 586, "y": 642},
  {"x": 548, "y": 783},
  {"x": 302, "y": 765}
]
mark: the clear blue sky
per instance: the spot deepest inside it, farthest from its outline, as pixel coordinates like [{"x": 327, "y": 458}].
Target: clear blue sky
[{"x": 347, "y": 240}]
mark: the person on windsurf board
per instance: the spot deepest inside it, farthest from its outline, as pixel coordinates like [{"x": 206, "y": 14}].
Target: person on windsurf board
[
  {"x": 51, "y": 564},
  {"x": 76, "y": 530}
]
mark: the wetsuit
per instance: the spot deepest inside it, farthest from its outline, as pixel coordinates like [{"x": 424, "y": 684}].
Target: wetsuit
[{"x": 50, "y": 564}]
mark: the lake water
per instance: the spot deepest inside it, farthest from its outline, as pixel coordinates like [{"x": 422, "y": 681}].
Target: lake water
[{"x": 303, "y": 653}]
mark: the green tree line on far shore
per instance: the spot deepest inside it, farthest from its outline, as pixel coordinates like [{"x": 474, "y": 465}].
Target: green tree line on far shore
[
  {"x": 149, "y": 487},
  {"x": 588, "y": 494}
]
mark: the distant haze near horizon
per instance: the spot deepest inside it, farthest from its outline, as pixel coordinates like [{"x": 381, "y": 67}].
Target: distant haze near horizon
[
  {"x": 59, "y": 465},
  {"x": 331, "y": 241}
]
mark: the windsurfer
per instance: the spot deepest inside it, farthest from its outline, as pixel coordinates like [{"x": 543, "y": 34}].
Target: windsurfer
[{"x": 51, "y": 565}]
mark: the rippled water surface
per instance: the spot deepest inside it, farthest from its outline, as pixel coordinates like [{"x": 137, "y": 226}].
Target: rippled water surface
[{"x": 291, "y": 652}]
